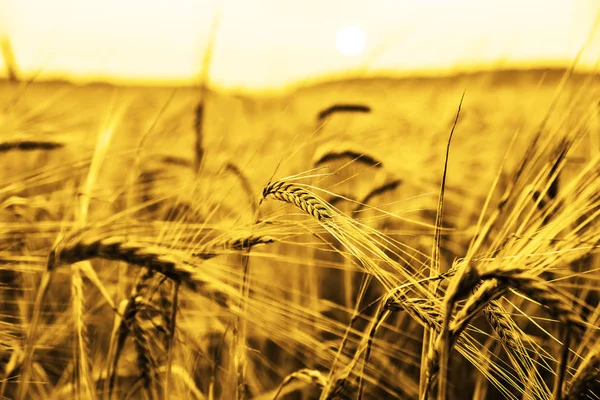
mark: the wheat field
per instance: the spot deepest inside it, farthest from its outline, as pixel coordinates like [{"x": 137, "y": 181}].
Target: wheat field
[{"x": 325, "y": 243}]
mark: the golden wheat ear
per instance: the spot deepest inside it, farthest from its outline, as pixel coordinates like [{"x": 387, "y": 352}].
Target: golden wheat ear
[{"x": 298, "y": 196}]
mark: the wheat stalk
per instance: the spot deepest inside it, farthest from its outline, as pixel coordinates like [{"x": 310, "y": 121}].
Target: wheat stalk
[
  {"x": 486, "y": 292},
  {"x": 245, "y": 182},
  {"x": 81, "y": 346}
]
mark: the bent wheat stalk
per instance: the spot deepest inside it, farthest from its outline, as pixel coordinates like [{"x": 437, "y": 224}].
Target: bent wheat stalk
[
  {"x": 587, "y": 373},
  {"x": 307, "y": 376}
]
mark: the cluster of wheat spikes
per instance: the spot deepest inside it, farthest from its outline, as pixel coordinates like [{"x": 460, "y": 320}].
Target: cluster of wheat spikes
[{"x": 174, "y": 295}]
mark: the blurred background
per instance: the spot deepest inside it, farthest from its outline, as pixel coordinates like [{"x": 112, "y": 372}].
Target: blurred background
[{"x": 270, "y": 44}]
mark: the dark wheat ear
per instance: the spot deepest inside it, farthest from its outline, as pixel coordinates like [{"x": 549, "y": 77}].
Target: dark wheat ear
[
  {"x": 343, "y": 108},
  {"x": 29, "y": 145},
  {"x": 348, "y": 154},
  {"x": 342, "y": 150}
]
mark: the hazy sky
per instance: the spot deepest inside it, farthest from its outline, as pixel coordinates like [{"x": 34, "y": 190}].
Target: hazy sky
[{"x": 276, "y": 42}]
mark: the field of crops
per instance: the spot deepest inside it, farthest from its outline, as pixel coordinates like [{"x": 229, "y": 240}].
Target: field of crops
[{"x": 302, "y": 245}]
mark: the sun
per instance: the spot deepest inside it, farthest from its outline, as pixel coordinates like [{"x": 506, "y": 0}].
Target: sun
[{"x": 350, "y": 40}]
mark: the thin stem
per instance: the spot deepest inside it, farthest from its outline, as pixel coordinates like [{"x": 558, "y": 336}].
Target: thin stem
[
  {"x": 172, "y": 330},
  {"x": 562, "y": 364}
]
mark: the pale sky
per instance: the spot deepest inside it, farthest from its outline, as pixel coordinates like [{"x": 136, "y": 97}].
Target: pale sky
[{"x": 269, "y": 43}]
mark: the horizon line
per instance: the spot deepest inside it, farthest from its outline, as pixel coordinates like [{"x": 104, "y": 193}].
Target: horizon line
[{"x": 324, "y": 79}]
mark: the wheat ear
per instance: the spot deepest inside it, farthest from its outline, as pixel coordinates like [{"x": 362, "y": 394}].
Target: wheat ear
[
  {"x": 512, "y": 339},
  {"x": 539, "y": 290},
  {"x": 242, "y": 243},
  {"x": 119, "y": 248},
  {"x": 298, "y": 196}
]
